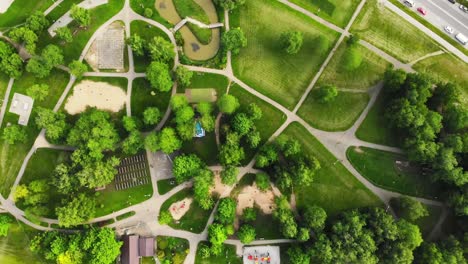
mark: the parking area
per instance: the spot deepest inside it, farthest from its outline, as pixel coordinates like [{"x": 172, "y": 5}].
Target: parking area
[{"x": 132, "y": 171}]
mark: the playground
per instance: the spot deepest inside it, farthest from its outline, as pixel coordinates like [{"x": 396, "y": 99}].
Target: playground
[{"x": 178, "y": 209}]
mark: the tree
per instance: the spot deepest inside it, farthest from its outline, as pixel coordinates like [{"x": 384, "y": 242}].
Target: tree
[
  {"x": 184, "y": 76},
  {"x": 262, "y": 180},
  {"x": 63, "y": 179},
  {"x": 249, "y": 214},
  {"x": 38, "y": 67},
  {"x": 186, "y": 167},
  {"x": 228, "y": 104},
  {"x": 77, "y": 68},
  {"x": 233, "y": 40},
  {"x": 152, "y": 142},
  {"x": 24, "y": 36},
  {"x": 81, "y": 15},
  {"x": 151, "y": 116},
  {"x": 411, "y": 209},
  {"x": 52, "y": 55},
  {"x": 327, "y": 93},
  {"x": 254, "y": 111},
  {"x": 12, "y": 65},
  {"x": 13, "y": 134},
  {"x": 246, "y": 234},
  {"x": 298, "y": 256},
  {"x": 53, "y": 122},
  {"x": 148, "y": 12},
  {"x": 204, "y": 251},
  {"x": 65, "y": 34},
  {"x": 229, "y": 4},
  {"x": 208, "y": 123},
  {"x": 133, "y": 143},
  {"x": 229, "y": 175},
  {"x": 168, "y": 141},
  {"x": 159, "y": 77},
  {"x": 178, "y": 101},
  {"x": 97, "y": 173},
  {"x": 77, "y": 211},
  {"x": 254, "y": 138},
  {"x": 37, "y": 21},
  {"x": 5, "y": 222},
  {"x": 231, "y": 155},
  {"x": 217, "y": 234},
  {"x": 184, "y": 115},
  {"x": 291, "y": 41},
  {"x": 130, "y": 123},
  {"x": 161, "y": 49},
  {"x": 137, "y": 44},
  {"x": 352, "y": 59},
  {"x": 226, "y": 211},
  {"x": 242, "y": 124},
  {"x": 201, "y": 188},
  {"x": 165, "y": 217},
  {"x": 314, "y": 217},
  {"x": 303, "y": 234},
  {"x": 38, "y": 92},
  {"x": 352, "y": 40},
  {"x": 21, "y": 192}
]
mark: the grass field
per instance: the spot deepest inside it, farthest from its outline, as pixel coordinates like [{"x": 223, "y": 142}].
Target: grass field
[
  {"x": 369, "y": 73},
  {"x": 43, "y": 163},
  {"x": 263, "y": 64},
  {"x": 391, "y": 33},
  {"x": 379, "y": 167},
  {"x": 142, "y": 98},
  {"x": 334, "y": 187},
  {"x": 375, "y": 128},
  {"x": 336, "y": 11},
  {"x": 339, "y": 114},
  {"x": 164, "y": 186},
  {"x": 12, "y": 156},
  {"x": 207, "y": 80},
  {"x": 201, "y": 95},
  {"x": 110, "y": 200},
  {"x": 147, "y": 32},
  {"x": 271, "y": 120},
  {"x": 20, "y": 10},
  {"x": 445, "y": 68},
  {"x": 205, "y": 148},
  {"x": 61, "y": 9},
  {"x": 14, "y": 248},
  {"x": 194, "y": 220},
  {"x": 140, "y": 5},
  {"x": 189, "y": 8},
  {"x": 227, "y": 256}
]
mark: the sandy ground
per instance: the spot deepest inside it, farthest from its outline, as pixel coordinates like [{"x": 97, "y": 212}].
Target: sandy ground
[
  {"x": 251, "y": 195},
  {"x": 219, "y": 187},
  {"x": 101, "y": 95},
  {"x": 178, "y": 209}
]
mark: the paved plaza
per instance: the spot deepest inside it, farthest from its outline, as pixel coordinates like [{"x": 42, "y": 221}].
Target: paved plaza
[{"x": 110, "y": 48}]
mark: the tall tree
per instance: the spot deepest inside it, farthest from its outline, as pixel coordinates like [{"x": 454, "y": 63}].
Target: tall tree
[
  {"x": 186, "y": 167},
  {"x": 64, "y": 34},
  {"x": 184, "y": 76},
  {"x": 77, "y": 68},
  {"x": 13, "y": 134},
  {"x": 81, "y": 15},
  {"x": 77, "y": 211},
  {"x": 233, "y": 40},
  {"x": 226, "y": 211},
  {"x": 161, "y": 49},
  {"x": 159, "y": 76},
  {"x": 137, "y": 44},
  {"x": 291, "y": 41},
  {"x": 168, "y": 141},
  {"x": 246, "y": 234},
  {"x": 229, "y": 4},
  {"x": 228, "y": 104}
]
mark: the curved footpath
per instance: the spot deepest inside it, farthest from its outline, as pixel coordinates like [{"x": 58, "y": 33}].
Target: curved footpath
[{"x": 147, "y": 212}]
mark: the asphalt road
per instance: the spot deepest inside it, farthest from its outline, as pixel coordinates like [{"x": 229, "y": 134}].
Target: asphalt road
[{"x": 442, "y": 13}]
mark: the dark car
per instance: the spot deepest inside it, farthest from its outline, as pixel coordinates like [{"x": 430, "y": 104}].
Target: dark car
[{"x": 452, "y": 1}]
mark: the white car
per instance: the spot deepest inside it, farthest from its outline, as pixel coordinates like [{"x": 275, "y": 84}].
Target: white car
[
  {"x": 464, "y": 8},
  {"x": 448, "y": 29}
]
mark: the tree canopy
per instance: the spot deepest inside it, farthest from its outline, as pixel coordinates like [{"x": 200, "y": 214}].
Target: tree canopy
[
  {"x": 233, "y": 40},
  {"x": 291, "y": 41},
  {"x": 159, "y": 76}
]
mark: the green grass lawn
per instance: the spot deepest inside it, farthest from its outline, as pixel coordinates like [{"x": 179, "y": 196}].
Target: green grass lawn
[
  {"x": 147, "y": 32},
  {"x": 43, "y": 163},
  {"x": 266, "y": 226},
  {"x": 263, "y": 64},
  {"x": 194, "y": 220},
  {"x": 142, "y": 98},
  {"x": 227, "y": 256},
  {"x": 14, "y": 248},
  {"x": 61, "y": 9},
  {"x": 164, "y": 186},
  {"x": 139, "y": 6},
  {"x": 126, "y": 215},
  {"x": 189, "y": 8},
  {"x": 379, "y": 167},
  {"x": 369, "y": 73},
  {"x": 12, "y": 156},
  {"x": 446, "y": 67},
  {"x": 20, "y": 10},
  {"x": 4, "y": 79},
  {"x": 375, "y": 128},
  {"x": 339, "y": 114},
  {"x": 271, "y": 120},
  {"x": 205, "y": 148},
  {"x": 207, "y": 80},
  {"x": 334, "y": 187},
  {"x": 391, "y": 33},
  {"x": 336, "y": 11},
  {"x": 201, "y": 95}
]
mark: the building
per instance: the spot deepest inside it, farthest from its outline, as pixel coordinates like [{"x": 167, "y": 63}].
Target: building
[
  {"x": 134, "y": 247},
  {"x": 22, "y": 105}
]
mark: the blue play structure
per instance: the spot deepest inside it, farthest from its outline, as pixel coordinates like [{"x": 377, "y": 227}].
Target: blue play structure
[{"x": 199, "y": 131}]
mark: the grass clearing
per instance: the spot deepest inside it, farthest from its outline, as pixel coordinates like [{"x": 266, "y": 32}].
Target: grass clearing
[
  {"x": 43, "y": 163},
  {"x": 205, "y": 148},
  {"x": 375, "y": 128},
  {"x": 334, "y": 187},
  {"x": 380, "y": 168},
  {"x": 12, "y": 156},
  {"x": 207, "y": 80},
  {"x": 142, "y": 98},
  {"x": 194, "y": 220},
  {"x": 369, "y": 73},
  {"x": 139, "y": 7},
  {"x": 111, "y": 200},
  {"x": 20, "y": 10},
  {"x": 146, "y": 32},
  {"x": 336, "y": 11},
  {"x": 446, "y": 68},
  {"x": 165, "y": 186},
  {"x": 126, "y": 215},
  {"x": 340, "y": 114},
  {"x": 263, "y": 64},
  {"x": 189, "y": 8},
  {"x": 14, "y": 248},
  {"x": 227, "y": 256},
  {"x": 391, "y": 33}
]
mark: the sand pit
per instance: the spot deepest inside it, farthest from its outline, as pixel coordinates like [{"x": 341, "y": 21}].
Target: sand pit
[
  {"x": 219, "y": 188},
  {"x": 178, "y": 209},
  {"x": 101, "y": 95},
  {"x": 251, "y": 195}
]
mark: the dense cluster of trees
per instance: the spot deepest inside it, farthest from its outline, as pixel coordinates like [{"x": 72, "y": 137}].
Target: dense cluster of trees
[
  {"x": 10, "y": 62},
  {"x": 433, "y": 122},
  {"x": 91, "y": 246},
  {"x": 285, "y": 161},
  {"x": 40, "y": 66},
  {"x": 5, "y": 223},
  {"x": 233, "y": 40},
  {"x": 81, "y": 15},
  {"x": 28, "y": 33}
]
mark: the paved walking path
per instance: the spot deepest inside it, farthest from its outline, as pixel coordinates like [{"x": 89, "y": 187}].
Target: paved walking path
[
  {"x": 5, "y": 100},
  {"x": 197, "y": 23},
  {"x": 426, "y": 56}
]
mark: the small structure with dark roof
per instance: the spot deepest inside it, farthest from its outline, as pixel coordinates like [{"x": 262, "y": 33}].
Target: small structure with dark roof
[{"x": 135, "y": 247}]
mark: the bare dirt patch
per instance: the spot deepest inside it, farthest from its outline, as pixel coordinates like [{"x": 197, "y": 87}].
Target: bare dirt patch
[
  {"x": 178, "y": 209},
  {"x": 219, "y": 188},
  {"x": 101, "y": 95},
  {"x": 251, "y": 195}
]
